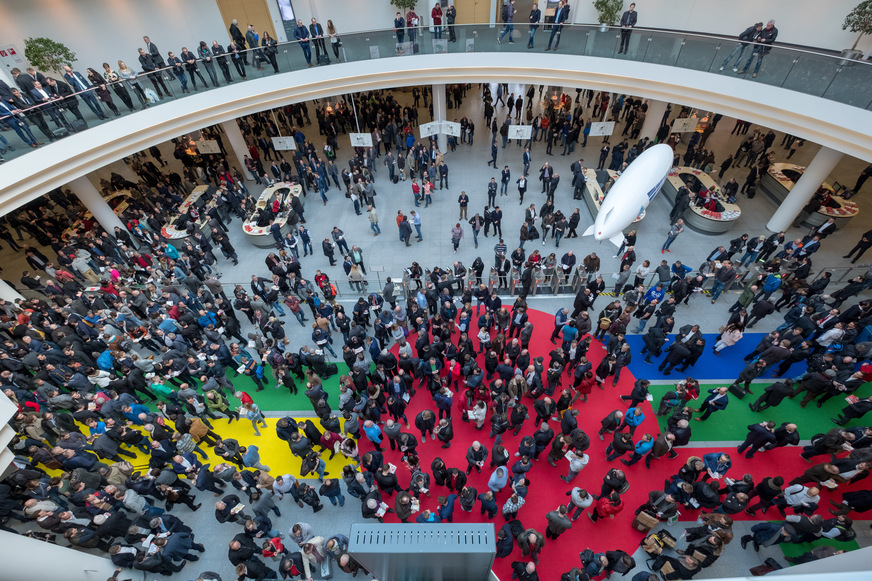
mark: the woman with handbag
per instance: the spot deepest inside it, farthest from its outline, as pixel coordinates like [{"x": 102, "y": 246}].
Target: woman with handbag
[
  {"x": 270, "y": 49},
  {"x": 114, "y": 80},
  {"x": 335, "y": 41}
]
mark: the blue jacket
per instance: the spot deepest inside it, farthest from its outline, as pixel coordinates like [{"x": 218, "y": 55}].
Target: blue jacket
[
  {"x": 301, "y": 34},
  {"x": 719, "y": 404},
  {"x": 496, "y": 483},
  {"x": 373, "y": 433},
  {"x": 446, "y": 512},
  {"x": 433, "y": 518},
  {"x": 773, "y": 281},
  {"x": 443, "y": 402},
  {"x": 77, "y": 81},
  {"x": 133, "y": 414},
  {"x": 653, "y": 293},
  {"x": 207, "y": 319},
  {"x": 180, "y": 468},
  {"x": 711, "y": 463},
  {"x": 632, "y": 419},
  {"x": 644, "y": 447},
  {"x": 106, "y": 361},
  {"x": 251, "y": 457}
]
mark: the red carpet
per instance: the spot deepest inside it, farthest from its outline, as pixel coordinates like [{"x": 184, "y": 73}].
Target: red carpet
[{"x": 547, "y": 491}]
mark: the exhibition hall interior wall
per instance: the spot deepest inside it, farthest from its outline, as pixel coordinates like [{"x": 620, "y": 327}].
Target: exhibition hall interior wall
[{"x": 106, "y": 30}]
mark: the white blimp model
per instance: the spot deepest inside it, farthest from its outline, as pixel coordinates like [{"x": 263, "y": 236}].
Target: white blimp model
[{"x": 631, "y": 193}]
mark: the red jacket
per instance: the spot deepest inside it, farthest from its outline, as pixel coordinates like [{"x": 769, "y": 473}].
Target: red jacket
[{"x": 605, "y": 508}]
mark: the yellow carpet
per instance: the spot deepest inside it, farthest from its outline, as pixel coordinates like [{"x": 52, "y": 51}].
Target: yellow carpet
[{"x": 274, "y": 452}]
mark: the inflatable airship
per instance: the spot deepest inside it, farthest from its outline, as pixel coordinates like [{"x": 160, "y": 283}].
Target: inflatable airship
[{"x": 631, "y": 193}]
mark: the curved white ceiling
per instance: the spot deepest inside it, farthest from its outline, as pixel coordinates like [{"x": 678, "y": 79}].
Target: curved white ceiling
[{"x": 840, "y": 127}]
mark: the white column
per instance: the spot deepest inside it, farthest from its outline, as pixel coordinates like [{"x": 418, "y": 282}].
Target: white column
[
  {"x": 656, "y": 109},
  {"x": 238, "y": 145},
  {"x": 817, "y": 172},
  {"x": 8, "y": 293},
  {"x": 439, "y": 114},
  {"x": 92, "y": 199},
  {"x": 54, "y": 563}
]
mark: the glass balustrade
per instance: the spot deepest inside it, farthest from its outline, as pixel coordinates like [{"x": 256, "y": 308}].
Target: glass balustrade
[{"x": 813, "y": 73}]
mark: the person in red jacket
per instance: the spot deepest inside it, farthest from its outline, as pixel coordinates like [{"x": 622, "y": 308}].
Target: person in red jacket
[
  {"x": 607, "y": 506},
  {"x": 243, "y": 397},
  {"x": 436, "y": 15}
]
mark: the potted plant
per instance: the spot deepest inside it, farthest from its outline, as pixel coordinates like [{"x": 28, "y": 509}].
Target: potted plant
[
  {"x": 608, "y": 12},
  {"x": 404, "y": 5},
  {"x": 858, "y": 20},
  {"x": 48, "y": 55}
]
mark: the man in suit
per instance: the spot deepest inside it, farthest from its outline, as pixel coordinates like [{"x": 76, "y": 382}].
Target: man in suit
[
  {"x": 10, "y": 116},
  {"x": 5, "y": 92},
  {"x": 67, "y": 95},
  {"x": 316, "y": 31},
  {"x": 149, "y": 66},
  {"x": 23, "y": 102},
  {"x": 218, "y": 52},
  {"x": 252, "y": 39},
  {"x": 23, "y": 80},
  {"x": 237, "y": 57},
  {"x": 151, "y": 48},
  {"x": 81, "y": 85},
  {"x": 628, "y": 21},
  {"x": 42, "y": 95},
  {"x": 237, "y": 36}
]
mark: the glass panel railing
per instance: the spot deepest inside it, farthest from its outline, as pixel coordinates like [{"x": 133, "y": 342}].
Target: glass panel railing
[
  {"x": 602, "y": 44},
  {"x": 698, "y": 54},
  {"x": 811, "y": 74},
  {"x": 26, "y": 121},
  {"x": 850, "y": 84}
]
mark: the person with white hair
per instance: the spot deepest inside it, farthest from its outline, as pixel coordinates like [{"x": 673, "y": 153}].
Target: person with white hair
[{"x": 475, "y": 457}]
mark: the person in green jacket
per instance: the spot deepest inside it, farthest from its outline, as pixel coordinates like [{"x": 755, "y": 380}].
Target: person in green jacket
[
  {"x": 746, "y": 297},
  {"x": 217, "y": 403}
]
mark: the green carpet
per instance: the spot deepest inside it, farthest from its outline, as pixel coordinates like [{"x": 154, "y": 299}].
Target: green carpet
[
  {"x": 732, "y": 423},
  {"x": 272, "y": 399},
  {"x": 796, "y": 549}
]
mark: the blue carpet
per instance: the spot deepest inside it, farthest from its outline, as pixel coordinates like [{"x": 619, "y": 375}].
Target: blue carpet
[{"x": 709, "y": 365}]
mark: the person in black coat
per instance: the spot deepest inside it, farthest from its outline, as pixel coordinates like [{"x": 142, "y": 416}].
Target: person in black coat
[
  {"x": 224, "y": 507},
  {"x": 773, "y": 395},
  {"x": 654, "y": 340},
  {"x": 505, "y": 541},
  {"x": 241, "y": 549},
  {"x": 614, "y": 480},
  {"x": 716, "y": 401},
  {"x": 677, "y": 354},
  {"x": 697, "y": 348},
  {"x": 456, "y": 479},
  {"x": 768, "y": 490},
  {"x": 488, "y": 504},
  {"x": 638, "y": 394},
  {"x": 853, "y": 411},
  {"x": 759, "y": 435},
  {"x": 610, "y": 423},
  {"x": 785, "y": 435},
  {"x": 254, "y": 569}
]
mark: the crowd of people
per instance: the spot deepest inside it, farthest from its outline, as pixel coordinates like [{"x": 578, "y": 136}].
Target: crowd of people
[{"x": 81, "y": 365}]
